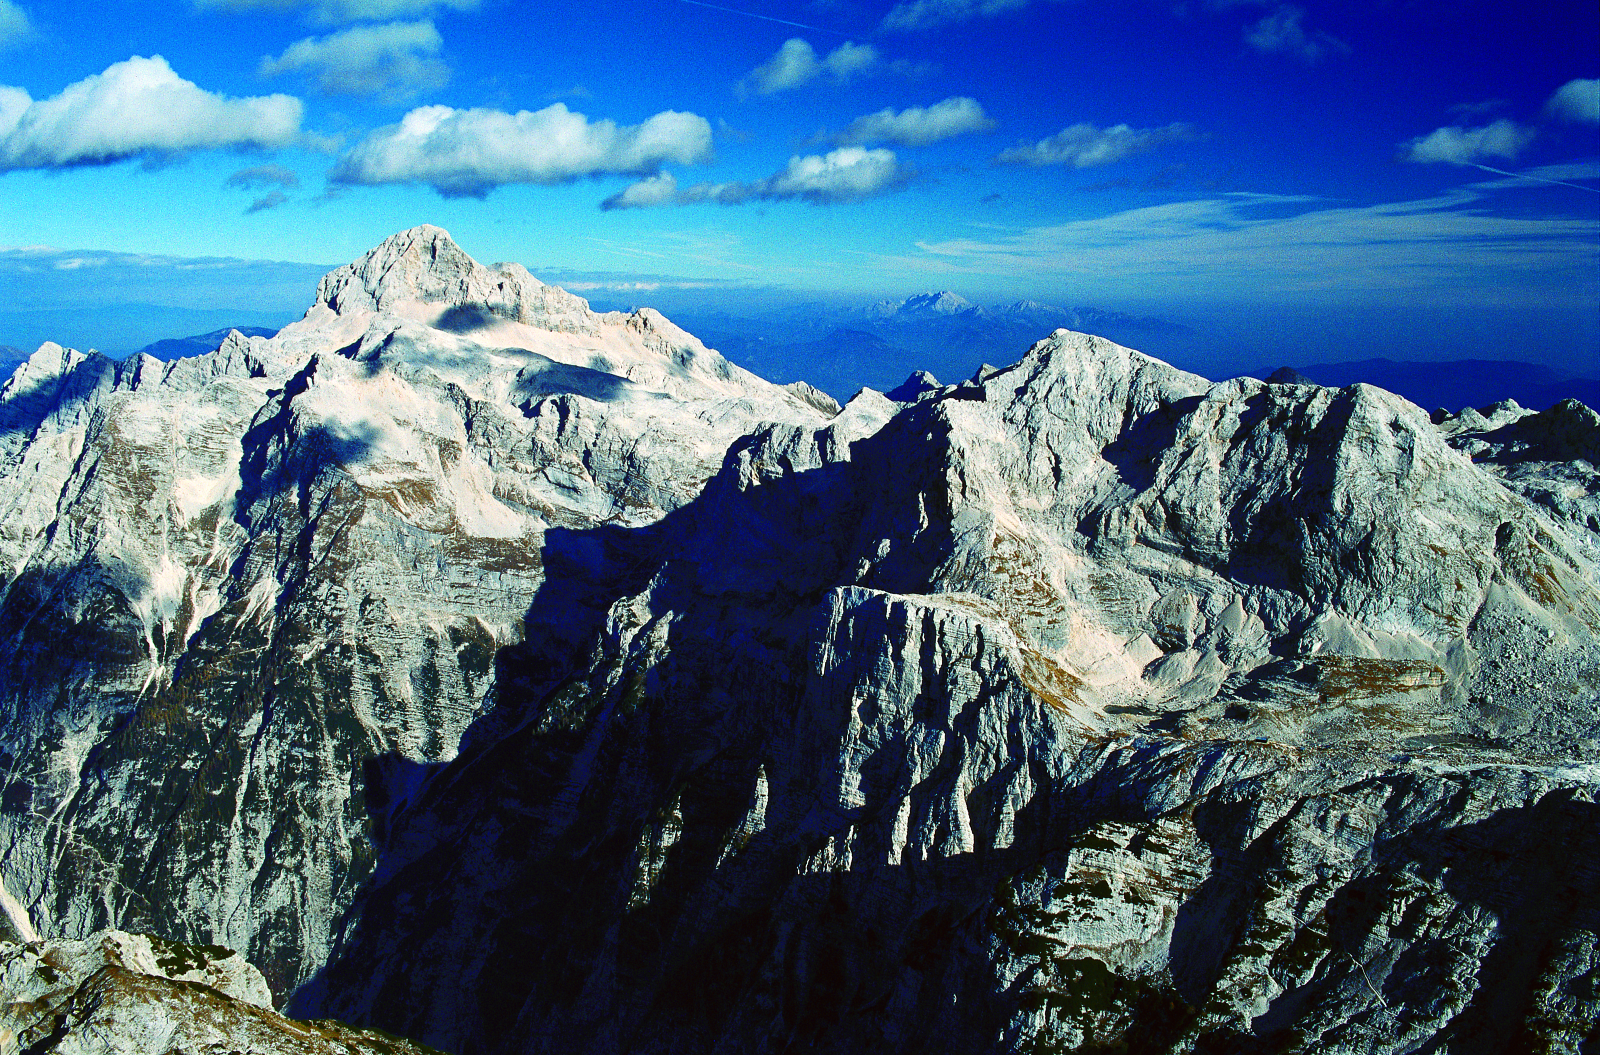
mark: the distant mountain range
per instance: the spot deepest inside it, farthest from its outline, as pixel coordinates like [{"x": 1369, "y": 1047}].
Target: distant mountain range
[
  {"x": 119, "y": 330},
  {"x": 842, "y": 348},
  {"x": 200, "y": 343}
]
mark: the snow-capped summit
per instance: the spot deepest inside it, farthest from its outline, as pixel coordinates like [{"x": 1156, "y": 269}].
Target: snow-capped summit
[{"x": 942, "y": 303}]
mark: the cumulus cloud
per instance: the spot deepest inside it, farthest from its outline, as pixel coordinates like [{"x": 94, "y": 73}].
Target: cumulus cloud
[
  {"x": 1284, "y": 31},
  {"x": 648, "y": 193},
  {"x": 1084, "y": 145},
  {"x": 394, "y": 60},
  {"x": 850, "y": 59},
  {"x": 263, "y": 176},
  {"x": 336, "y": 12},
  {"x": 1465, "y": 146},
  {"x": 909, "y": 15},
  {"x": 846, "y": 174},
  {"x": 843, "y": 175},
  {"x": 793, "y": 65},
  {"x": 13, "y": 22},
  {"x": 1577, "y": 101},
  {"x": 797, "y": 63},
  {"x": 467, "y": 153},
  {"x": 918, "y": 126},
  {"x": 137, "y": 108}
]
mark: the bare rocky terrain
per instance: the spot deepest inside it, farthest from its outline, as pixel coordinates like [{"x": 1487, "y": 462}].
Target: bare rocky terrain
[{"x": 517, "y": 678}]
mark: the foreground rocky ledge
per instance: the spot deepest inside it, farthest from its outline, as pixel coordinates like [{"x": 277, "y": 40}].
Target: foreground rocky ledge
[{"x": 115, "y": 993}]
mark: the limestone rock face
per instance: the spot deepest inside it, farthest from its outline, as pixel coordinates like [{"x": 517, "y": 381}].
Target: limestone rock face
[
  {"x": 132, "y": 994},
  {"x": 521, "y": 679}
]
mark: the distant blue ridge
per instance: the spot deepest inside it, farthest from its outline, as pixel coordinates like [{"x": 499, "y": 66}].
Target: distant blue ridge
[{"x": 200, "y": 343}]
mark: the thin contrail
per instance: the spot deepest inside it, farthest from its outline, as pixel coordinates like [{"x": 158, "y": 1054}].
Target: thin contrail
[
  {"x": 1536, "y": 179},
  {"x": 764, "y": 18}
]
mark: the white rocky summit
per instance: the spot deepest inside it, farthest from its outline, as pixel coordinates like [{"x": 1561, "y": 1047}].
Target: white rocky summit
[{"x": 518, "y": 678}]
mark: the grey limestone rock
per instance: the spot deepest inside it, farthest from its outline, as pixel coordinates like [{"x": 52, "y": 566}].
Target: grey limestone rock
[
  {"x": 520, "y": 679},
  {"x": 132, "y": 994}
]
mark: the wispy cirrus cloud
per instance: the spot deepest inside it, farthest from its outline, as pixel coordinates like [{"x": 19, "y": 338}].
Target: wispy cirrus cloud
[
  {"x": 259, "y": 176},
  {"x": 1084, "y": 145},
  {"x": 912, "y": 15},
  {"x": 338, "y": 12},
  {"x": 1284, "y": 31},
  {"x": 1575, "y": 174},
  {"x": 270, "y": 200},
  {"x": 393, "y": 61},
  {"x": 843, "y": 175},
  {"x": 1251, "y": 244},
  {"x": 139, "y": 108},
  {"x": 278, "y": 178},
  {"x": 467, "y": 153},
  {"x": 917, "y": 126}
]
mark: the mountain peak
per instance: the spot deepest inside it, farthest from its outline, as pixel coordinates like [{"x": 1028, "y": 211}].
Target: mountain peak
[
  {"x": 422, "y": 264},
  {"x": 943, "y": 302},
  {"x": 1032, "y": 307},
  {"x": 422, "y": 272}
]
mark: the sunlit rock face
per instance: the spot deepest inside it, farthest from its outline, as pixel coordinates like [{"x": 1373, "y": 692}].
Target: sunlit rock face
[
  {"x": 132, "y": 994},
  {"x": 518, "y": 678}
]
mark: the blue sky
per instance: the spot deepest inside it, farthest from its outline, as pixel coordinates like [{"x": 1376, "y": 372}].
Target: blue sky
[{"x": 1338, "y": 168}]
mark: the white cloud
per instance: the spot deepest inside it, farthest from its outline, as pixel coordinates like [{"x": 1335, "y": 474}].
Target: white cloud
[
  {"x": 846, "y": 174},
  {"x": 793, "y": 65},
  {"x": 337, "y": 12},
  {"x": 1464, "y": 146},
  {"x": 136, "y": 108},
  {"x": 918, "y": 126},
  {"x": 1284, "y": 31},
  {"x": 647, "y": 193},
  {"x": 796, "y": 63},
  {"x": 1577, "y": 101},
  {"x": 851, "y": 60},
  {"x": 13, "y": 22},
  {"x": 911, "y": 15},
  {"x": 14, "y": 102},
  {"x": 1084, "y": 145},
  {"x": 843, "y": 175},
  {"x": 470, "y": 152},
  {"x": 394, "y": 60}
]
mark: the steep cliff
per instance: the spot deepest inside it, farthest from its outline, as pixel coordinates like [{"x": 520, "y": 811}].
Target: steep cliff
[{"x": 518, "y": 678}]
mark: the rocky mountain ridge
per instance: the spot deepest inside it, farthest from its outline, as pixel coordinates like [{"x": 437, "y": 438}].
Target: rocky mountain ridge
[
  {"x": 520, "y": 678},
  {"x": 131, "y": 994}
]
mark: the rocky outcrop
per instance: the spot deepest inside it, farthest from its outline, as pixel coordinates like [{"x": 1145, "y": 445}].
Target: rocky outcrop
[
  {"x": 132, "y": 994},
  {"x": 523, "y": 679}
]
